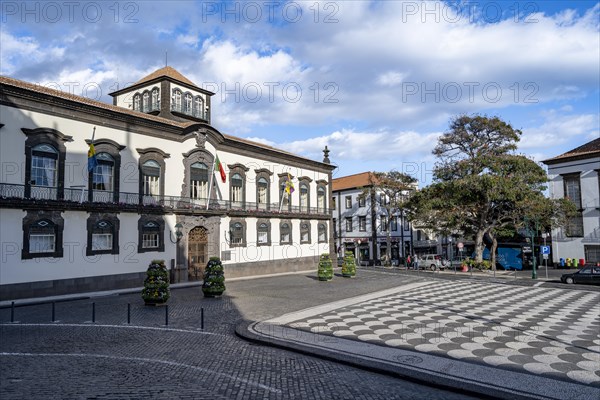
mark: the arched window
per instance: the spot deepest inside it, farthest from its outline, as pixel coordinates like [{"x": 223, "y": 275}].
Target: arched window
[
  {"x": 42, "y": 237},
  {"x": 198, "y": 107},
  {"x": 237, "y": 234},
  {"x": 304, "y": 232},
  {"x": 151, "y": 177},
  {"x": 263, "y": 233},
  {"x": 304, "y": 197},
  {"x": 155, "y": 100},
  {"x": 136, "y": 102},
  {"x": 188, "y": 104},
  {"x": 199, "y": 181},
  {"x": 176, "y": 100},
  {"x": 322, "y": 233},
  {"x": 146, "y": 102},
  {"x": 44, "y": 160},
  {"x": 321, "y": 199},
  {"x": 103, "y": 178},
  {"x": 262, "y": 193},
  {"x": 237, "y": 187},
  {"x": 285, "y": 233}
]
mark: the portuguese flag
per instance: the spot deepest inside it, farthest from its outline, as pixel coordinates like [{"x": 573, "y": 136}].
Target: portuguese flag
[{"x": 219, "y": 166}]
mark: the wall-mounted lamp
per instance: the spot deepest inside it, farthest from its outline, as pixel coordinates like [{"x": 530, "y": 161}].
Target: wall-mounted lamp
[
  {"x": 178, "y": 233},
  {"x": 228, "y": 239}
]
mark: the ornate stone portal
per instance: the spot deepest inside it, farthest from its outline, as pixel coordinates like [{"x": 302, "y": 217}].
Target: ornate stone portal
[{"x": 200, "y": 239}]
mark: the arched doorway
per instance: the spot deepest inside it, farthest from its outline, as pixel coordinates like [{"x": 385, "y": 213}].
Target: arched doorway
[{"x": 197, "y": 253}]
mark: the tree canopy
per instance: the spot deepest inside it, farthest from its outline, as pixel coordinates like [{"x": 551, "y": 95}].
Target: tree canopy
[{"x": 481, "y": 187}]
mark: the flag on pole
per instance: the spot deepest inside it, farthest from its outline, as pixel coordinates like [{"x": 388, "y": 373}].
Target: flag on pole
[
  {"x": 289, "y": 185},
  {"x": 219, "y": 166},
  {"x": 92, "y": 161}
]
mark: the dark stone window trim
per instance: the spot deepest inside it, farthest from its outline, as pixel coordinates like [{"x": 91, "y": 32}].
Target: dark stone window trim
[
  {"x": 51, "y": 137},
  {"x": 349, "y": 227},
  {"x": 144, "y": 219},
  {"x": 282, "y": 180},
  {"x": 319, "y": 187},
  {"x": 302, "y": 230},
  {"x": 30, "y": 220},
  {"x": 92, "y": 222},
  {"x": 304, "y": 180},
  {"x": 266, "y": 174},
  {"x": 231, "y": 225},
  {"x": 192, "y": 157},
  {"x": 291, "y": 230},
  {"x": 324, "y": 226},
  {"x": 258, "y": 224},
  {"x": 241, "y": 170},
  {"x": 152, "y": 154},
  {"x": 113, "y": 148}
]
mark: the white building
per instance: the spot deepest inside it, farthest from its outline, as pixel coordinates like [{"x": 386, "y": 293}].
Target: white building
[
  {"x": 575, "y": 175},
  {"x": 361, "y": 223},
  {"x": 65, "y": 229}
]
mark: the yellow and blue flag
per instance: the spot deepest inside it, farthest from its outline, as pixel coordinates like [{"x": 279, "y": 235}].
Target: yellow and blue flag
[{"x": 92, "y": 162}]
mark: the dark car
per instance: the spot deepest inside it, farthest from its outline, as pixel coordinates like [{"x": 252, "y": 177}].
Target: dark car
[{"x": 589, "y": 275}]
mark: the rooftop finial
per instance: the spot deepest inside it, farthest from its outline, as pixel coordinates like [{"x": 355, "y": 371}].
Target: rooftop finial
[{"x": 326, "y": 155}]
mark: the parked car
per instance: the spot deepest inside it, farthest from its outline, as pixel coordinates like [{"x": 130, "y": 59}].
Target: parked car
[
  {"x": 432, "y": 262},
  {"x": 589, "y": 275}
]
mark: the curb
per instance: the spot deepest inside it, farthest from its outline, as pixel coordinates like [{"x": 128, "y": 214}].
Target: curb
[{"x": 431, "y": 370}]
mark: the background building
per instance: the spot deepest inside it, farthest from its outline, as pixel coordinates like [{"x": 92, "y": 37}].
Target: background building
[
  {"x": 575, "y": 175},
  {"x": 360, "y": 224},
  {"x": 155, "y": 193}
]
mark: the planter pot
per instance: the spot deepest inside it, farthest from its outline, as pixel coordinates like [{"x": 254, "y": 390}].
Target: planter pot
[
  {"x": 155, "y": 302},
  {"x": 215, "y": 293},
  {"x": 464, "y": 268}
]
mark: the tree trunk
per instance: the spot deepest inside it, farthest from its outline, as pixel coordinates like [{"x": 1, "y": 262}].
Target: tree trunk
[
  {"x": 479, "y": 245},
  {"x": 493, "y": 251},
  {"x": 388, "y": 248}
]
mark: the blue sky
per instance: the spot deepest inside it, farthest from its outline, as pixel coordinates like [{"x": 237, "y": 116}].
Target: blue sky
[{"x": 375, "y": 81}]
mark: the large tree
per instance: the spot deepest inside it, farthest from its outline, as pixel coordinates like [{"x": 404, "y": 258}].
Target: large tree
[
  {"x": 481, "y": 186},
  {"x": 388, "y": 192}
]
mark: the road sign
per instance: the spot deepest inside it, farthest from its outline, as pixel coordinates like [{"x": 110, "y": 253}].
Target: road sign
[
  {"x": 460, "y": 245},
  {"x": 526, "y": 249},
  {"x": 545, "y": 249},
  {"x": 545, "y": 256}
]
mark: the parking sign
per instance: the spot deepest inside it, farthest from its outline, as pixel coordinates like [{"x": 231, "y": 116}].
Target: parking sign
[{"x": 545, "y": 249}]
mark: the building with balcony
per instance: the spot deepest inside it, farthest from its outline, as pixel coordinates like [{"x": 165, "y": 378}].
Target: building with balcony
[
  {"x": 156, "y": 191},
  {"x": 575, "y": 175},
  {"x": 361, "y": 224}
]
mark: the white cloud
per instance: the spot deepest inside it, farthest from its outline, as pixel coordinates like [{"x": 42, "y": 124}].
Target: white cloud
[{"x": 558, "y": 129}]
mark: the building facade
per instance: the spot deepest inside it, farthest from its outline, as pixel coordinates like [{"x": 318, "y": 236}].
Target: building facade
[
  {"x": 576, "y": 175},
  {"x": 361, "y": 224},
  {"x": 156, "y": 191}
]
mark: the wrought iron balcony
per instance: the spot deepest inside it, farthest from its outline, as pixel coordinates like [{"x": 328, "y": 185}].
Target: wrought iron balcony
[{"x": 17, "y": 196}]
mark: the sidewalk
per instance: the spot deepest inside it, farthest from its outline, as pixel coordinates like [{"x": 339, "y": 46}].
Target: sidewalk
[{"x": 310, "y": 331}]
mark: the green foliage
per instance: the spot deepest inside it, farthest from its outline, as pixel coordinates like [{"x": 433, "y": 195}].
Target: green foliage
[
  {"x": 214, "y": 278},
  {"x": 349, "y": 266},
  {"x": 480, "y": 265},
  {"x": 156, "y": 284},
  {"x": 480, "y": 186},
  {"x": 325, "y": 271}
]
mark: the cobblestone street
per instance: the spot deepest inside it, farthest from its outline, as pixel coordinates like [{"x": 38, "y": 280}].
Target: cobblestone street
[{"x": 74, "y": 358}]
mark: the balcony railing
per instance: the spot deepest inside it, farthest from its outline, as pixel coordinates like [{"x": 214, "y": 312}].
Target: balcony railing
[{"x": 13, "y": 194}]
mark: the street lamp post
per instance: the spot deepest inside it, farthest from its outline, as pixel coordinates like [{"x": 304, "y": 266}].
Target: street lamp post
[
  {"x": 532, "y": 233},
  {"x": 358, "y": 252}
]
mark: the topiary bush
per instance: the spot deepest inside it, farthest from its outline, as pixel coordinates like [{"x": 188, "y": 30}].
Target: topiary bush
[
  {"x": 325, "y": 271},
  {"x": 156, "y": 285},
  {"x": 349, "y": 266},
  {"x": 214, "y": 278}
]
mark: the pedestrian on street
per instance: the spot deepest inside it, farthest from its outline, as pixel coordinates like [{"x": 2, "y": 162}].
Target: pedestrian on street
[
  {"x": 416, "y": 262},
  {"x": 408, "y": 262}
]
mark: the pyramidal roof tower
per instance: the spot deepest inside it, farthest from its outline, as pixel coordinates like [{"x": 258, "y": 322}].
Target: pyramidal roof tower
[{"x": 167, "y": 94}]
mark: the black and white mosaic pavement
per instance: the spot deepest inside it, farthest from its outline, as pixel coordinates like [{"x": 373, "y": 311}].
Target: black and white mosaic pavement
[{"x": 549, "y": 332}]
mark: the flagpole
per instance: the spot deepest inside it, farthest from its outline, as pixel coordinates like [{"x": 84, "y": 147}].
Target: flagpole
[
  {"x": 93, "y": 135},
  {"x": 211, "y": 183}
]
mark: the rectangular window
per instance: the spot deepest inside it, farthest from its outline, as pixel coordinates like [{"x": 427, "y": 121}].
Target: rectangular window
[
  {"x": 43, "y": 171},
  {"x": 348, "y": 202},
  {"x": 262, "y": 194},
  {"x": 199, "y": 190},
  {"x": 405, "y": 223},
  {"x": 394, "y": 224},
  {"x": 362, "y": 224},
  {"x": 384, "y": 223},
  {"x": 236, "y": 194},
  {"x": 102, "y": 177},
  {"x": 361, "y": 201},
  {"x": 572, "y": 186},
  {"x": 592, "y": 253},
  {"x": 102, "y": 241},
  {"x": 263, "y": 237},
  {"x": 151, "y": 185},
  {"x": 150, "y": 240},
  {"x": 41, "y": 243},
  {"x": 285, "y": 237},
  {"x": 383, "y": 199},
  {"x": 348, "y": 224},
  {"x": 304, "y": 237},
  {"x": 333, "y": 206}
]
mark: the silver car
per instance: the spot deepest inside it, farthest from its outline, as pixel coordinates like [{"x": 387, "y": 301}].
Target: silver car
[{"x": 431, "y": 262}]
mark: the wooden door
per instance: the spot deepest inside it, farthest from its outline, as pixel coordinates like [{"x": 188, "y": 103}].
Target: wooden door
[{"x": 197, "y": 253}]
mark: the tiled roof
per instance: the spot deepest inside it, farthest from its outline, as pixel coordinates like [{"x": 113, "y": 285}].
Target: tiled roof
[
  {"x": 352, "y": 181},
  {"x": 168, "y": 72},
  {"x": 589, "y": 149},
  {"x": 4, "y": 80}
]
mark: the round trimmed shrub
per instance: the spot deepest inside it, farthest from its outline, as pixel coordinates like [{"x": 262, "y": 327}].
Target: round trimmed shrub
[
  {"x": 349, "y": 266},
  {"x": 325, "y": 271},
  {"x": 156, "y": 285},
  {"x": 214, "y": 278}
]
